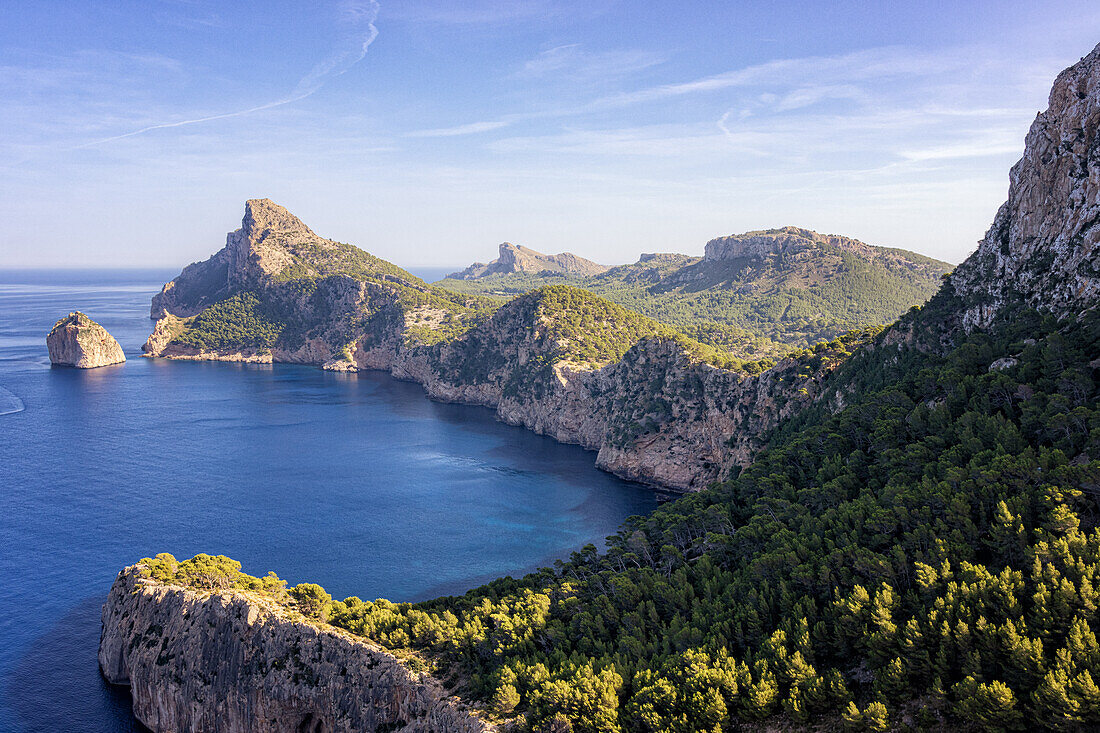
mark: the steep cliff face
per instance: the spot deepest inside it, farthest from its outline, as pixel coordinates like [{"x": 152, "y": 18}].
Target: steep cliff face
[
  {"x": 257, "y": 250},
  {"x": 78, "y": 341},
  {"x": 517, "y": 258},
  {"x": 677, "y": 422},
  {"x": 236, "y": 662},
  {"x": 1043, "y": 248},
  {"x": 659, "y": 415}
]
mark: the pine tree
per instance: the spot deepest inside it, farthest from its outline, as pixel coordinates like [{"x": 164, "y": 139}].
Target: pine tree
[{"x": 988, "y": 705}]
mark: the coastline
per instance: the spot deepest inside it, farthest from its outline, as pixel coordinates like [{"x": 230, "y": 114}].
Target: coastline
[
  {"x": 663, "y": 492},
  {"x": 668, "y": 464}
]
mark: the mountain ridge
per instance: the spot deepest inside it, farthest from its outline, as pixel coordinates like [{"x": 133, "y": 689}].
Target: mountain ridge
[{"x": 780, "y": 288}]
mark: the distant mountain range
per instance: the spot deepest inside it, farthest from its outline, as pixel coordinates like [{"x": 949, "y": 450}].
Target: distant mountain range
[{"x": 755, "y": 293}]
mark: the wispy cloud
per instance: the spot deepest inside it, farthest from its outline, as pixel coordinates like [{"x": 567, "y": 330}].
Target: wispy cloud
[
  {"x": 877, "y": 63},
  {"x": 490, "y": 12},
  {"x": 784, "y": 84},
  {"x": 357, "y": 23},
  {"x": 568, "y": 64},
  {"x": 575, "y": 63},
  {"x": 991, "y": 143},
  {"x": 470, "y": 129}
]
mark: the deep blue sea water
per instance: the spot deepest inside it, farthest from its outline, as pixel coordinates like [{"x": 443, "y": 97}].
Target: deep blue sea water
[{"x": 357, "y": 482}]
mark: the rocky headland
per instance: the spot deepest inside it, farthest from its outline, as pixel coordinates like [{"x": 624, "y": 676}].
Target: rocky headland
[
  {"x": 80, "y": 342},
  {"x": 238, "y": 661},
  {"x": 657, "y": 407}
]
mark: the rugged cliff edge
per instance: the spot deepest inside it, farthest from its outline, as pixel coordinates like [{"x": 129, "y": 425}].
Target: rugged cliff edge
[
  {"x": 78, "y": 341},
  {"x": 1043, "y": 249},
  {"x": 237, "y": 662},
  {"x": 657, "y": 406}
]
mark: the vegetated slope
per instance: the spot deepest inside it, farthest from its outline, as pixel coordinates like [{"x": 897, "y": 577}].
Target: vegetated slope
[
  {"x": 754, "y": 293},
  {"x": 928, "y": 554},
  {"x": 919, "y": 548}
]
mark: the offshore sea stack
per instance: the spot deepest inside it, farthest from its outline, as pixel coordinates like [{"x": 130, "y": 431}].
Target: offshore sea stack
[
  {"x": 78, "y": 341},
  {"x": 235, "y": 662}
]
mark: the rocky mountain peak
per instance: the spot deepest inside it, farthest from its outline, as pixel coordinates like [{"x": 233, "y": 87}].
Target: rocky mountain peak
[
  {"x": 1044, "y": 245},
  {"x": 517, "y": 258},
  {"x": 259, "y": 248},
  {"x": 263, "y": 215},
  {"x": 509, "y": 253}
]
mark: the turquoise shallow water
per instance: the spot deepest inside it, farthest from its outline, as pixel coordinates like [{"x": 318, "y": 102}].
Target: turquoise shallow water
[{"x": 357, "y": 482}]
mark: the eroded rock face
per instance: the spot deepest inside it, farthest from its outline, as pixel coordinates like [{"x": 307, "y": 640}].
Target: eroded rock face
[
  {"x": 1044, "y": 245},
  {"x": 656, "y": 416},
  {"x": 236, "y": 662},
  {"x": 255, "y": 251},
  {"x": 78, "y": 341}
]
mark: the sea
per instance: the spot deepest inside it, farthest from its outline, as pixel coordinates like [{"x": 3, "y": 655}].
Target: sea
[{"x": 358, "y": 482}]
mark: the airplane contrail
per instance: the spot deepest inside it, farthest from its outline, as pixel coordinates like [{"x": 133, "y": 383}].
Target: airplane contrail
[{"x": 355, "y": 14}]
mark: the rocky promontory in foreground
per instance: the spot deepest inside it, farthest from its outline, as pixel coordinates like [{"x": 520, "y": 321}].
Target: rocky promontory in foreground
[
  {"x": 78, "y": 341},
  {"x": 209, "y": 655}
]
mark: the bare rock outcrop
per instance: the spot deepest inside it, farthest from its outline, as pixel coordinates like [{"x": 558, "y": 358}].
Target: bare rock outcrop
[
  {"x": 237, "y": 662},
  {"x": 78, "y": 341},
  {"x": 1043, "y": 249},
  {"x": 264, "y": 245},
  {"x": 517, "y": 258}
]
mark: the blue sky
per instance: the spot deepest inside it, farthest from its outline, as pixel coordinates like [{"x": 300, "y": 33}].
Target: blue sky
[{"x": 428, "y": 131}]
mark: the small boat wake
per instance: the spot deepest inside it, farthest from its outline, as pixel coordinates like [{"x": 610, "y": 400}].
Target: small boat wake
[{"x": 9, "y": 403}]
